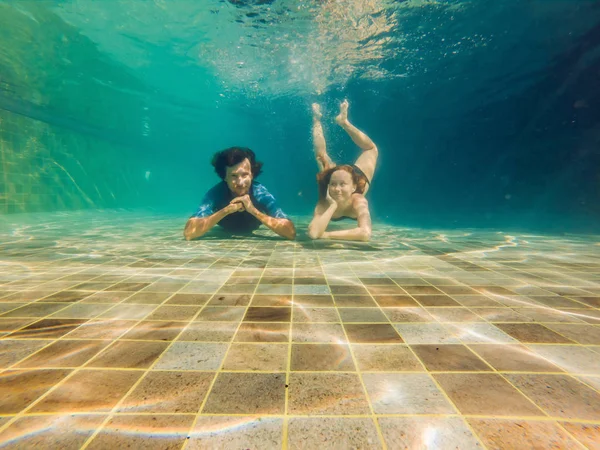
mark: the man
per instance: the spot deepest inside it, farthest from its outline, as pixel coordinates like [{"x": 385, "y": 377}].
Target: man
[{"x": 238, "y": 203}]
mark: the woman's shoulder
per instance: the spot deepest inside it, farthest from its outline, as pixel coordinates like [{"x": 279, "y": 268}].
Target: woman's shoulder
[{"x": 358, "y": 199}]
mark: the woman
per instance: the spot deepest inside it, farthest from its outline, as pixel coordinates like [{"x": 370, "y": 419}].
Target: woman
[{"x": 342, "y": 189}]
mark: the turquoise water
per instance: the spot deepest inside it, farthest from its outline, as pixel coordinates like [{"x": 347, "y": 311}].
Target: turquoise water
[
  {"x": 470, "y": 320},
  {"x": 485, "y": 112}
]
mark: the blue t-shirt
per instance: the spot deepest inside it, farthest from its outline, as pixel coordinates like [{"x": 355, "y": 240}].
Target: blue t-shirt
[{"x": 219, "y": 196}]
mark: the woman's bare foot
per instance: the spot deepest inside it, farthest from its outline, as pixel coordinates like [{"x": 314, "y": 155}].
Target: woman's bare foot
[
  {"x": 316, "y": 109},
  {"x": 342, "y": 118}
]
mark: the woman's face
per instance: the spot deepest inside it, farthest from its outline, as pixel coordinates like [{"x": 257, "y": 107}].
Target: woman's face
[{"x": 341, "y": 186}]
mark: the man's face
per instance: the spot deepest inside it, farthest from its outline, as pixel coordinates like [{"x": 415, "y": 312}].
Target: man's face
[{"x": 239, "y": 178}]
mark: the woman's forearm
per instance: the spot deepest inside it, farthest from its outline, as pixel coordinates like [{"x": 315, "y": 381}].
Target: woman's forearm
[
  {"x": 354, "y": 234},
  {"x": 319, "y": 224}
]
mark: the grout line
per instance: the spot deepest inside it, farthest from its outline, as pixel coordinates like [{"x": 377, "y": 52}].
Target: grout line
[
  {"x": 220, "y": 369},
  {"x": 110, "y": 415},
  {"x": 360, "y": 377}
]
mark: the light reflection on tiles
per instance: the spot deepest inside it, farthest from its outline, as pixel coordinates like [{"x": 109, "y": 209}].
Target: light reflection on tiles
[{"x": 266, "y": 343}]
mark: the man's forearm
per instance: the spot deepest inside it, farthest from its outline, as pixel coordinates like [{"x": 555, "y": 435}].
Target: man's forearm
[
  {"x": 198, "y": 226},
  {"x": 283, "y": 227}
]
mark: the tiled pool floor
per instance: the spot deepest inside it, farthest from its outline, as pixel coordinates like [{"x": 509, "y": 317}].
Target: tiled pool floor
[{"x": 117, "y": 333}]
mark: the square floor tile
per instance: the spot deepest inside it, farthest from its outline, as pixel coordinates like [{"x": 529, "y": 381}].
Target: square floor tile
[
  {"x": 12, "y": 351},
  {"x": 485, "y": 394},
  {"x": 230, "y": 300},
  {"x": 155, "y": 331},
  {"x": 247, "y": 393},
  {"x": 311, "y": 289},
  {"x": 386, "y": 290},
  {"x": 174, "y": 312},
  {"x": 349, "y": 290},
  {"x": 390, "y": 301},
  {"x": 437, "y": 433},
  {"x": 237, "y": 432},
  {"x": 168, "y": 392},
  {"x": 261, "y": 357},
  {"x": 503, "y": 314},
  {"x": 309, "y": 280},
  {"x": 558, "y": 302},
  {"x": 422, "y": 290},
  {"x": 405, "y": 393},
  {"x": 386, "y": 358},
  {"x": 426, "y": 333},
  {"x": 235, "y": 290},
  {"x": 67, "y": 296},
  {"x": 311, "y": 314},
  {"x": 332, "y": 433},
  {"x": 64, "y": 353},
  {"x": 20, "y": 388},
  {"x": 128, "y": 312},
  {"x": 52, "y": 431},
  {"x": 587, "y": 434},
  {"x": 472, "y": 301},
  {"x": 129, "y": 355},
  {"x": 209, "y": 332},
  {"x": 200, "y": 288},
  {"x": 583, "y": 334},
  {"x": 326, "y": 394},
  {"x": 47, "y": 329},
  {"x": 355, "y": 301},
  {"x": 260, "y": 314},
  {"x": 559, "y": 395},
  {"x": 148, "y": 432},
  {"x": 189, "y": 299},
  {"x": 81, "y": 311},
  {"x": 313, "y": 300},
  {"x": 372, "y": 333},
  {"x": 192, "y": 356},
  {"x": 272, "y": 300},
  {"x": 408, "y": 315},
  {"x": 590, "y": 301},
  {"x": 377, "y": 281},
  {"x": 513, "y": 358},
  {"x": 480, "y": 333},
  {"x": 127, "y": 286},
  {"x": 435, "y": 300},
  {"x": 263, "y": 332},
  {"x": 89, "y": 391},
  {"x": 101, "y": 329},
  {"x": 572, "y": 358},
  {"x": 553, "y": 316},
  {"x": 147, "y": 298},
  {"x": 276, "y": 280},
  {"x": 503, "y": 433},
  {"x": 221, "y": 314},
  {"x": 458, "y": 290},
  {"x": 532, "y": 333},
  {"x": 454, "y": 315},
  {"x": 449, "y": 358},
  {"x": 318, "y": 332},
  {"x": 370, "y": 315},
  {"x": 274, "y": 289},
  {"x": 321, "y": 357}
]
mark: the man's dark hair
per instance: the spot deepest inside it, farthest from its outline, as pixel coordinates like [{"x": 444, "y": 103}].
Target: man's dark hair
[{"x": 232, "y": 156}]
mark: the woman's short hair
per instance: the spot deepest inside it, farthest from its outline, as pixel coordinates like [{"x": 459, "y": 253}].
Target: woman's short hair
[
  {"x": 232, "y": 156},
  {"x": 324, "y": 177}
]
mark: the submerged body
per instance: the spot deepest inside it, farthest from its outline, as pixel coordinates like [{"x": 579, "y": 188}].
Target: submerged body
[
  {"x": 238, "y": 203},
  {"x": 342, "y": 189}
]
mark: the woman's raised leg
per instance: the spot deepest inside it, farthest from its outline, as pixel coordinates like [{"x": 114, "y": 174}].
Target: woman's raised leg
[
  {"x": 323, "y": 159},
  {"x": 368, "y": 158}
]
